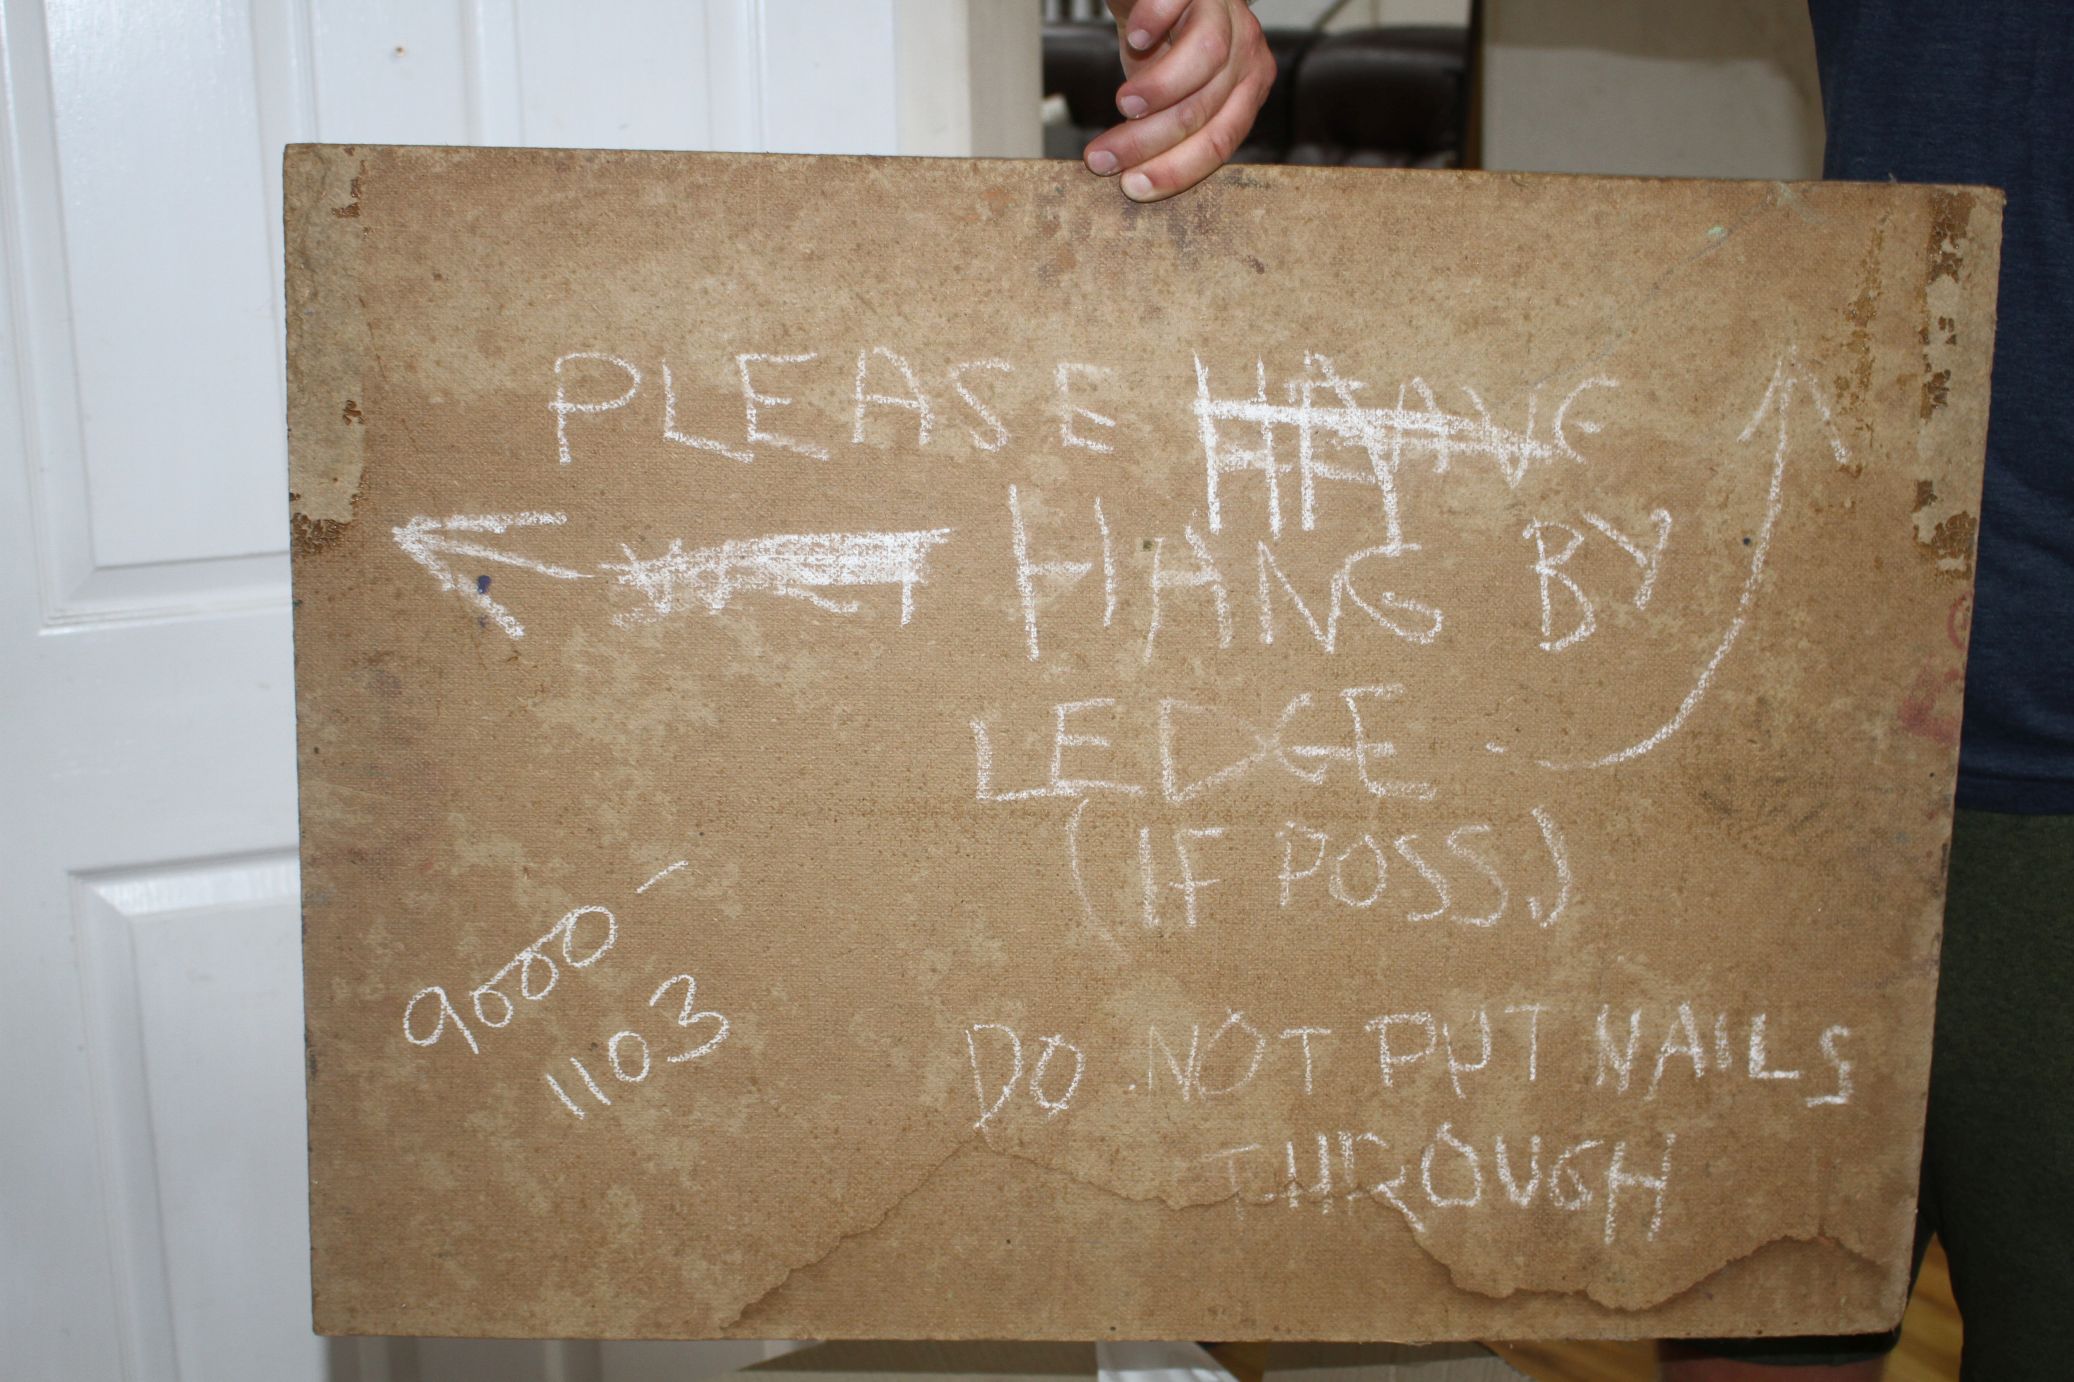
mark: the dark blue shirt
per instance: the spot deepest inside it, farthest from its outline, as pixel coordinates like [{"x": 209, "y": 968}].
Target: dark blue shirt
[{"x": 1983, "y": 93}]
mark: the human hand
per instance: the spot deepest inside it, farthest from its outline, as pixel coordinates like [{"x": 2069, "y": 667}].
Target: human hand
[{"x": 1196, "y": 73}]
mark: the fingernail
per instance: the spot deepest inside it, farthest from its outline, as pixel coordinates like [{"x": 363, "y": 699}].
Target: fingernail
[
  {"x": 1140, "y": 39},
  {"x": 1137, "y": 187},
  {"x": 1102, "y": 161},
  {"x": 1132, "y": 107}
]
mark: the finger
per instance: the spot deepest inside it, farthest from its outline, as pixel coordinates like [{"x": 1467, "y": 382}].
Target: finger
[
  {"x": 1202, "y": 153},
  {"x": 1145, "y": 25},
  {"x": 1138, "y": 141},
  {"x": 1201, "y": 48}
]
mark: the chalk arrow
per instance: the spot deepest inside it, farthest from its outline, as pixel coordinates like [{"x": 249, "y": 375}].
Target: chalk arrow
[
  {"x": 1787, "y": 375},
  {"x": 430, "y": 542}
]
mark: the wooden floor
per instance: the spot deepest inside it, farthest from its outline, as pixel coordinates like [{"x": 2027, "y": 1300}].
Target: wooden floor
[{"x": 1929, "y": 1350}]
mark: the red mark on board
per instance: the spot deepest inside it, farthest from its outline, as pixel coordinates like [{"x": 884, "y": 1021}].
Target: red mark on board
[{"x": 1932, "y": 706}]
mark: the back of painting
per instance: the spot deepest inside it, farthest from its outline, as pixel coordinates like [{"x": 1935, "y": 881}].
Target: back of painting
[{"x": 911, "y": 749}]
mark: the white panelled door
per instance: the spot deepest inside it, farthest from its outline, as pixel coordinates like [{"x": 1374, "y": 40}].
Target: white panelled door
[{"x": 152, "y": 1219}]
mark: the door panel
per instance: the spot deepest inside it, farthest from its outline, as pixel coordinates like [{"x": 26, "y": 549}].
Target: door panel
[
  {"x": 192, "y": 983},
  {"x": 152, "y": 1153}
]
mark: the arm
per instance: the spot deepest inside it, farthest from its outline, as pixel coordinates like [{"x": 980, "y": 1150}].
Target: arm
[{"x": 1197, "y": 72}]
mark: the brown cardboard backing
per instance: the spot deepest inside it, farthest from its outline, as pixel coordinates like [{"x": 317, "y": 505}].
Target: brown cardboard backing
[{"x": 911, "y": 749}]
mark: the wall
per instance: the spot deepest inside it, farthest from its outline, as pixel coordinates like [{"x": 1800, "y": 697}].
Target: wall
[
  {"x": 970, "y": 78},
  {"x": 1675, "y": 88}
]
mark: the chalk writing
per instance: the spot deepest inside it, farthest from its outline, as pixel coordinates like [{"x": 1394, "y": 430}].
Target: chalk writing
[
  {"x": 1383, "y": 437},
  {"x": 1185, "y": 768},
  {"x": 1454, "y": 1049},
  {"x": 1777, "y": 400},
  {"x": 564, "y": 406},
  {"x": 661, "y": 875},
  {"x": 1061, "y": 575},
  {"x": 629, "y": 1054},
  {"x": 913, "y": 400},
  {"x": 879, "y": 379},
  {"x": 1440, "y": 1171},
  {"x": 1368, "y": 835},
  {"x": 796, "y": 566},
  {"x": 754, "y": 404},
  {"x": 1043, "y": 1085},
  {"x": 529, "y": 962}
]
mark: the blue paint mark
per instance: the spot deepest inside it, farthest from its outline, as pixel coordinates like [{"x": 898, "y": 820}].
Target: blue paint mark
[{"x": 482, "y": 585}]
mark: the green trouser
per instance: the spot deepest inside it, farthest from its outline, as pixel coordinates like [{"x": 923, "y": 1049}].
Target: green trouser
[{"x": 1998, "y": 1154}]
